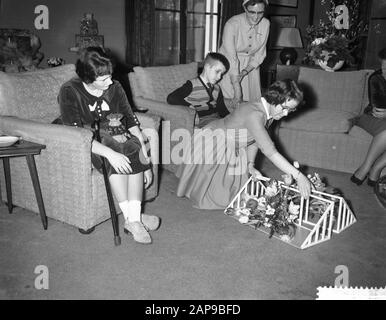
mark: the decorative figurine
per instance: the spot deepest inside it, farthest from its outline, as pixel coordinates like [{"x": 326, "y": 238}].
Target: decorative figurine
[
  {"x": 88, "y": 25},
  {"x": 115, "y": 127}
]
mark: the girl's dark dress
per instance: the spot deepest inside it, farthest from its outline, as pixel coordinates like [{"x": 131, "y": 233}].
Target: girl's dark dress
[
  {"x": 377, "y": 99},
  {"x": 81, "y": 109}
]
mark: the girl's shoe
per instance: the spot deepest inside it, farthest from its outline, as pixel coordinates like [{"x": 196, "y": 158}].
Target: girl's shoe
[
  {"x": 357, "y": 181},
  {"x": 138, "y": 231},
  {"x": 150, "y": 222},
  {"x": 371, "y": 183}
]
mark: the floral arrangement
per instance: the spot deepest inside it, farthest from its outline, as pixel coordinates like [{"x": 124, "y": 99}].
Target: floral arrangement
[
  {"x": 329, "y": 44},
  {"x": 331, "y": 49},
  {"x": 278, "y": 209},
  {"x": 55, "y": 61}
]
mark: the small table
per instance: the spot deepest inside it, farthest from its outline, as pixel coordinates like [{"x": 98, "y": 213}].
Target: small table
[{"x": 29, "y": 150}]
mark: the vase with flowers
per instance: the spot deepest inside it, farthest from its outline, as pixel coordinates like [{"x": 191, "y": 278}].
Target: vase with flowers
[
  {"x": 330, "y": 52},
  {"x": 330, "y": 47}
]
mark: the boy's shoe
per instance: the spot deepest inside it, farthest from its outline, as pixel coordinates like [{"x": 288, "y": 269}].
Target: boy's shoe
[
  {"x": 150, "y": 222},
  {"x": 139, "y": 232}
]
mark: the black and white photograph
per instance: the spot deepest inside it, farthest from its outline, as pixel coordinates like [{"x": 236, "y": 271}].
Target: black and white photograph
[{"x": 192, "y": 156}]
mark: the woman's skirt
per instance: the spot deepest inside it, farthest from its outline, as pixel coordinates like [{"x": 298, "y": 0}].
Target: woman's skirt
[
  {"x": 371, "y": 124},
  {"x": 131, "y": 149},
  {"x": 215, "y": 167},
  {"x": 250, "y": 84}
]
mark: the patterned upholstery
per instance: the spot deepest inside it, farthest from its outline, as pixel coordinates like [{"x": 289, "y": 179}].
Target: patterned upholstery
[
  {"x": 73, "y": 192},
  {"x": 338, "y": 91},
  {"x": 321, "y": 121},
  {"x": 150, "y": 86},
  {"x": 33, "y": 95},
  {"x": 157, "y": 82},
  {"x": 322, "y": 135}
]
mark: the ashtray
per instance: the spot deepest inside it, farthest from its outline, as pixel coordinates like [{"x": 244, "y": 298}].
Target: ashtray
[{"x": 6, "y": 141}]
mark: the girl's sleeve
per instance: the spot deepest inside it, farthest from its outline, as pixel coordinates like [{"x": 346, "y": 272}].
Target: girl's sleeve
[
  {"x": 377, "y": 96},
  {"x": 125, "y": 108},
  {"x": 69, "y": 107}
]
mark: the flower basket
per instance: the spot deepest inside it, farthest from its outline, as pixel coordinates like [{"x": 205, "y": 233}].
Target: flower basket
[{"x": 313, "y": 221}]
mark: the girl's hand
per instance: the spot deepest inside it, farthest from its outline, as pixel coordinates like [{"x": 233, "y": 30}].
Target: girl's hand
[
  {"x": 119, "y": 162},
  {"x": 304, "y": 185},
  {"x": 147, "y": 178}
]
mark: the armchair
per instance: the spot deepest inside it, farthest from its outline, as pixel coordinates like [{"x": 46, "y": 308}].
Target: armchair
[
  {"x": 150, "y": 86},
  {"x": 73, "y": 192}
]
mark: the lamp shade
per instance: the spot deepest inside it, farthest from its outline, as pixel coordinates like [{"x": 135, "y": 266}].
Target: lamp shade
[{"x": 288, "y": 38}]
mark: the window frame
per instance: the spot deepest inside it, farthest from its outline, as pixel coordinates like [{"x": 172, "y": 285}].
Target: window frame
[{"x": 184, "y": 12}]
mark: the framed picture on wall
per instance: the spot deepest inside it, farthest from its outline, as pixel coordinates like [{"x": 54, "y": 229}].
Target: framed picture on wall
[
  {"x": 284, "y": 3},
  {"x": 283, "y": 21}
]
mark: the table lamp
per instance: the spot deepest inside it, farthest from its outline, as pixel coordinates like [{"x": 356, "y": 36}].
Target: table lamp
[{"x": 288, "y": 39}]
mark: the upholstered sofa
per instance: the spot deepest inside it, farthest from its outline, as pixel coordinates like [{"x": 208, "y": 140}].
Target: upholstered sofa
[
  {"x": 150, "y": 86},
  {"x": 322, "y": 134},
  {"x": 73, "y": 192}
]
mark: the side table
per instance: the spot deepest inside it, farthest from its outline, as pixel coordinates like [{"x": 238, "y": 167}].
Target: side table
[{"x": 29, "y": 150}]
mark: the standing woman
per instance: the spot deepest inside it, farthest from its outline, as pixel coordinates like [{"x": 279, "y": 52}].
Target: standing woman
[{"x": 244, "y": 44}]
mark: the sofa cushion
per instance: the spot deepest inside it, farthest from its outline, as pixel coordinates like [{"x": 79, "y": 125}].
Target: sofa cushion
[
  {"x": 157, "y": 82},
  {"x": 33, "y": 95},
  {"x": 324, "y": 120},
  {"x": 340, "y": 91}
]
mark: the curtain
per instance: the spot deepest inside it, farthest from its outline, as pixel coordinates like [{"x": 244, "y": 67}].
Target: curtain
[
  {"x": 229, "y": 8},
  {"x": 140, "y": 32}
]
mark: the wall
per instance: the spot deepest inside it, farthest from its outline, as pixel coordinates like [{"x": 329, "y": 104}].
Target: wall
[
  {"x": 64, "y": 20},
  {"x": 303, "y": 14},
  {"x": 376, "y": 35}
]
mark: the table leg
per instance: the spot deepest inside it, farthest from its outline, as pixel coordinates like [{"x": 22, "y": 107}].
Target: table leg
[
  {"x": 7, "y": 174},
  {"x": 38, "y": 193}
]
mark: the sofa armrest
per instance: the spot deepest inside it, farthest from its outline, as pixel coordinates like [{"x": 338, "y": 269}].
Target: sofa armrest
[
  {"x": 70, "y": 146},
  {"x": 179, "y": 116}
]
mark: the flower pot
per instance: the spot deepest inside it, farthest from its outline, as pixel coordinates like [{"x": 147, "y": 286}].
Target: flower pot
[{"x": 324, "y": 66}]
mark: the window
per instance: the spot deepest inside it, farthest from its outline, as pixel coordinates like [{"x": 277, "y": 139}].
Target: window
[{"x": 185, "y": 30}]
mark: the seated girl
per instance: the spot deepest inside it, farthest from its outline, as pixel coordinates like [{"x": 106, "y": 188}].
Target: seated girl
[{"x": 95, "y": 98}]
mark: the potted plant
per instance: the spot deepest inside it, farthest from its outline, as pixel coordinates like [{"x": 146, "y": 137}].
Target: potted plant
[
  {"x": 330, "y": 47},
  {"x": 330, "y": 52}
]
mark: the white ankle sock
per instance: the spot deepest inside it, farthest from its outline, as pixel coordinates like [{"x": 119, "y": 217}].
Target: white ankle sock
[{"x": 131, "y": 210}]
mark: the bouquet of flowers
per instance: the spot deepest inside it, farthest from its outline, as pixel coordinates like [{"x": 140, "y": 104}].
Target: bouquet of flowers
[
  {"x": 279, "y": 208},
  {"x": 317, "y": 207},
  {"x": 327, "y": 43},
  {"x": 276, "y": 210},
  {"x": 55, "y": 62},
  {"x": 331, "y": 49}
]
